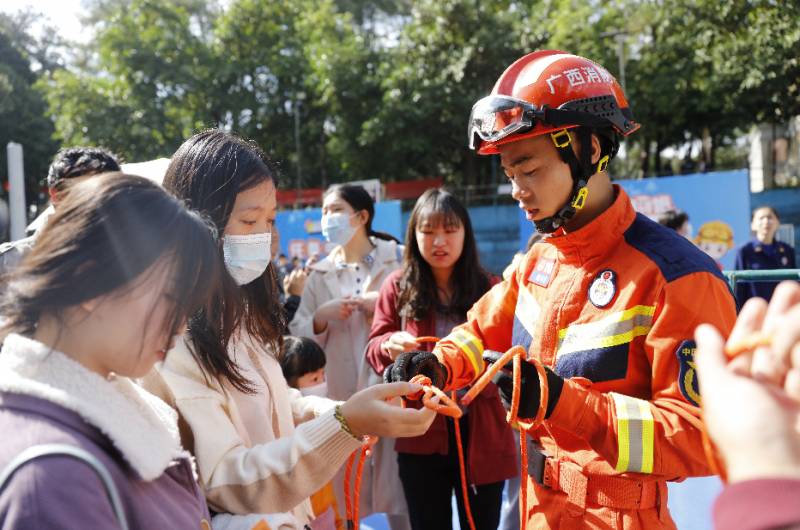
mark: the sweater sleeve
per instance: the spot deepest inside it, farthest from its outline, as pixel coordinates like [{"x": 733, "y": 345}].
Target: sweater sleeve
[
  {"x": 241, "y": 478},
  {"x": 306, "y": 408},
  {"x": 385, "y": 322},
  {"x": 761, "y": 504}
]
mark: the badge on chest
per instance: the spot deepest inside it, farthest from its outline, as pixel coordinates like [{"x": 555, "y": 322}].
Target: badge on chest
[
  {"x": 603, "y": 288},
  {"x": 542, "y": 272}
]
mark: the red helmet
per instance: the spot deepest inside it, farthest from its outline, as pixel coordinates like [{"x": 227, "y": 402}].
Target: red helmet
[{"x": 547, "y": 91}]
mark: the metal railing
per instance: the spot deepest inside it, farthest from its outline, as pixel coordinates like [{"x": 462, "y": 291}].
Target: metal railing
[{"x": 760, "y": 276}]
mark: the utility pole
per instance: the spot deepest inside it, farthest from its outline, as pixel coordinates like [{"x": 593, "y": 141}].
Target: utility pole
[
  {"x": 619, "y": 36},
  {"x": 16, "y": 191},
  {"x": 298, "y": 99}
]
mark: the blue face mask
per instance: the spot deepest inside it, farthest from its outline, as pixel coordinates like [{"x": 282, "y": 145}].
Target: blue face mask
[
  {"x": 247, "y": 257},
  {"x": 337, "y": 229}
]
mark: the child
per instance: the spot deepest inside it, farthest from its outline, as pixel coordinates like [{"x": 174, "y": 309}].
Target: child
[{"x": 303, "y": 365}]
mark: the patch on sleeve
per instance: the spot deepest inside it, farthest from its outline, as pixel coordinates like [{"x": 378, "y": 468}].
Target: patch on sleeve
[{"x": 687, "y": 379}]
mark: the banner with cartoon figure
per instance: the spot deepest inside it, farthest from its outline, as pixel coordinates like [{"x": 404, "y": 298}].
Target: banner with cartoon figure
[{"x": 718, "y": 206}]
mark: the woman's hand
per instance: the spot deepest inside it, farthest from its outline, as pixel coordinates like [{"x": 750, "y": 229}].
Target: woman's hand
[
  {"x": 367, "y": 302},
  {"x": 751, "y": 405},
  {"x": 295, "y": 282},
  {"x": 336, "y": 309},
  {"x": 368, "y": 412},
  {"x": 399, "y": 342}
]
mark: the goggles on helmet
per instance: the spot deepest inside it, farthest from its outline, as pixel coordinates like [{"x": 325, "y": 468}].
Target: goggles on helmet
[{"x": 495, "y": 117}]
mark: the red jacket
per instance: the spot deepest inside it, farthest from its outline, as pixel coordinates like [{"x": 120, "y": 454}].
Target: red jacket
[{"x": 493, "y": 458}]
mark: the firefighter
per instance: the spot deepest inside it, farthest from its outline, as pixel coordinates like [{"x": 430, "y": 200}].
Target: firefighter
[{"x": 607, "y": 302}]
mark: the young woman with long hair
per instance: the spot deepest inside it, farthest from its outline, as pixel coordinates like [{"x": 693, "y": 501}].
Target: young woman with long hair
[
  {"x": 238, "y": 415},
  {"x": 336, "y": 311},
  {"x": 112, "y": 278},
  {"x": 440, "y": 279}
]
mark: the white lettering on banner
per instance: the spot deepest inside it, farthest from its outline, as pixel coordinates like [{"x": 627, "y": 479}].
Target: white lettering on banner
[
  {"x": 313, "y": 246},
  {"x": 297, "y": 247},
  {"x": 653, "y": 205},
  {"x": 574, "y": 77}
]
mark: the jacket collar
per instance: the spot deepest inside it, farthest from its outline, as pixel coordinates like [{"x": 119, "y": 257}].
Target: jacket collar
[
  {"x": 141, "y": 427},
  {"x": 600, "y": 235}
]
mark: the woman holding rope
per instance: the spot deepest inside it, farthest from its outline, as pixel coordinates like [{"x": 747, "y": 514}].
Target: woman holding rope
[
  {"x": 439, "y": 280},
  {"x": 261, "y": 448}
]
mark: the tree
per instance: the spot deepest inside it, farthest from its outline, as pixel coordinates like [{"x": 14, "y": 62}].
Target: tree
[
  {"x": 449, "y": 55},
  {"x": 22, "y": 107}
]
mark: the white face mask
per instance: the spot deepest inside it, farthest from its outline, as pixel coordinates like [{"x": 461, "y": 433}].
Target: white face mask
[
  {"x": 320, "y": 390},
  {"x": 337, "y": 229},
  {"x": 247, "y": 257}
]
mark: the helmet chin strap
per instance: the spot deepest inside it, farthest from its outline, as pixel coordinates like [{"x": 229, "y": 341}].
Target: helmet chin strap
[{"x": 581, "y": 169}]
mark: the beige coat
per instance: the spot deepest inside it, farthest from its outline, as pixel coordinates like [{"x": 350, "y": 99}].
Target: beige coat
[
  {"x": 250, "y": 457},
  {"x": 343, "y": 341},
  {"x": 347, "y": 371}
]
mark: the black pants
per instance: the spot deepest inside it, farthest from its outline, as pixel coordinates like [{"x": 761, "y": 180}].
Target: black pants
[{"x": 429, "y": 481}]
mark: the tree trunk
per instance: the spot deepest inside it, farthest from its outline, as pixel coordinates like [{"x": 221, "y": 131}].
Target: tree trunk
[
  {"x": 323, "y": 169},
  {"x": 707, "y": 143},
  {"x": 657, "y": 158},
  {"x": 645, "y": 156}
]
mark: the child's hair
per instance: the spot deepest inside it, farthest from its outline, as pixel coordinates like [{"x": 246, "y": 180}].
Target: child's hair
[
  {"x": 105, "y": 234},
  {"x": 673, "y": 219},
  {"x": 74, "y": 162},
  {"x": 301, "y": 356},
  {"x": 418, "y": 292},
  {"x": 208, "y": 171},
  {"x": 359, "y": 199}
]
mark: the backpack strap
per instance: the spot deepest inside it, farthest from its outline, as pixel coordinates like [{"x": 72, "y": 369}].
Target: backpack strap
[{"x": 38, "y": 451}]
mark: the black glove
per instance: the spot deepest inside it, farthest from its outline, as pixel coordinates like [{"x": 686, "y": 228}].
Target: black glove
[
  {"x": 411, "y": 363},
  {"x": 529, "y": 382}
]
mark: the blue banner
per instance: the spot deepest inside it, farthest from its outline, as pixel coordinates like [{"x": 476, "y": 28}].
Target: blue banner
[
  {"x": 301, "y": 234},
  {"x": 718, "y": 205}
]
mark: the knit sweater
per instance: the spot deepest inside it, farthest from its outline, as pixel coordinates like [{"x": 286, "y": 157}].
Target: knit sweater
[{"x": 251, "y": 458}]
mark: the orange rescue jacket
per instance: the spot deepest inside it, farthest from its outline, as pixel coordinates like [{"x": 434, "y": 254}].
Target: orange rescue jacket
[{"x": 612, "y": 308}]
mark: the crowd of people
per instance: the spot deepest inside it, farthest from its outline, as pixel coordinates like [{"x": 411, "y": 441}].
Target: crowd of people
[{"x": 164, "y": 366}]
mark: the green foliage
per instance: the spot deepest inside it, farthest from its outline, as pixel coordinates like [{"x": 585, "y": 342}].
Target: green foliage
[
  {"x": 22, "y": 108},
  {"x": 383, "y": 88}
]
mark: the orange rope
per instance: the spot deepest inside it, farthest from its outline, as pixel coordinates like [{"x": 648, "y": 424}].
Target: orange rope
[
  {"x": 462, "y": 470},
  {"x": 351, "y": 507},
  {"x": 517, "y": 355},
  {"x": 747, "y": 344}
]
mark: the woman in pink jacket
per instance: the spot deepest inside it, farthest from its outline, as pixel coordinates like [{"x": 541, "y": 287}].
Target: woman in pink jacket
[{"x": 440, "y": 279}]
